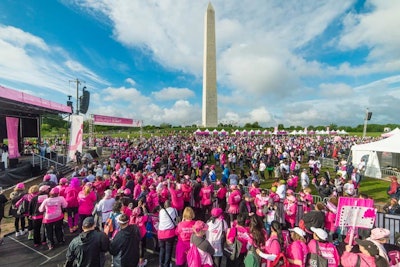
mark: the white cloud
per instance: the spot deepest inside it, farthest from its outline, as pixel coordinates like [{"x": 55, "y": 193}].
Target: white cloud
[
  {"x": 171, "y": 93},
  {"x": 19, "y": 38},
  {"x": 377, "y": 30},
  {"x": 335, "y": 90},
  {"x": 27, "y": 59},
  {"x": 130, "y": 81}
]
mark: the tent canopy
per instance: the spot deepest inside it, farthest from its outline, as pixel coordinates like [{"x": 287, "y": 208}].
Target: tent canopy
[{"x": 373, "y": 153}]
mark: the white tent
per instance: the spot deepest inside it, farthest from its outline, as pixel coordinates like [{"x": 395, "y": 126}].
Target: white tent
[
  {"x": 373, "y": 154},
  {"x": 395, "y": 131}
]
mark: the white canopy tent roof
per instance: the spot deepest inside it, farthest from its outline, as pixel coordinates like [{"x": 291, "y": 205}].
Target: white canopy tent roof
[
  {"x": 374, "y": 152},
  {"x": 395, "y": 131}
]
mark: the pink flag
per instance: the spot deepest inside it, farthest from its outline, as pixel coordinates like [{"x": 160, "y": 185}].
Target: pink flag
[{"x": 12, "y": 135}]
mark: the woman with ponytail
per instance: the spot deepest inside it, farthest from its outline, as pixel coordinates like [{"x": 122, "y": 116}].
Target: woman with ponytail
[{"x": 273, "y": 246}]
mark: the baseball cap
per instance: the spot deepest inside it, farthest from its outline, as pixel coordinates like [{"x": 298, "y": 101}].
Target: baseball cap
[
  {"x": 379, "y": 233},
  {"x": 321, "y": 233},
  {"x": 298, "y": 231},
  {"x": 88, "y": 222},
  {"x": 368, "y": 246}
]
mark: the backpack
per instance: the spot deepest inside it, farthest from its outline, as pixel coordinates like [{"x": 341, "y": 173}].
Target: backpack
[
  {"x": 394, "y": 258},
  {"x": 316, "y": 259},
  {"x": 193, "y": 257},
  {"x": 149, "y": 227},
  {"x": 252, "y": 259},
  {"x": 280, "y": 261},
  {"x": 109, "y": 225},
  {"x": 22, "y": 206}
]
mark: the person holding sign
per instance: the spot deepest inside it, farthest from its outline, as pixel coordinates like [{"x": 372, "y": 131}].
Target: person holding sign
[{"x": 369, "y": 256}]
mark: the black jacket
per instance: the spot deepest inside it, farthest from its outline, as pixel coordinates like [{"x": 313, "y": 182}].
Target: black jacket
[
  {"x": 125, "y": 247},
  {"x": 243, "y": 208},
  {"x": 87, "y": 250},
  {"x": 314, "y": 218}
]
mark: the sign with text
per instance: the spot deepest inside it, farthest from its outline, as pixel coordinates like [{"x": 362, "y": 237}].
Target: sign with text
[
  {"x": 355, "y": 212},
  {"x": 115, "y": 121}
]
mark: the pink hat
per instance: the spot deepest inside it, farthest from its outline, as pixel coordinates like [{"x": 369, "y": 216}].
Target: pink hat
[
  {"x": 379, "y": 233},
  {"x": 199, "y": 226},
  {"x": 75, "y": 182},
  {"x": 54, "y": 191},
  {"x": 63, "y": 181},
  {"x": 232, "y": 187},
  {"x": 289, "y": 192},
  {"x": 46, "y": 177},
  {"x": 20, "y": 186},
  {"x": 44, "y": 188},
  {"x": 127, "y": 192},
  {"x": 216, "y": 212}
]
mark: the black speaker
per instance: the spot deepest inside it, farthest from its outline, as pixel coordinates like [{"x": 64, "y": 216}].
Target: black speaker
[
  {"x": 2, "y": 166},
  {"x": 84, "y": 103},
  {"x": 369, "y": 115}
]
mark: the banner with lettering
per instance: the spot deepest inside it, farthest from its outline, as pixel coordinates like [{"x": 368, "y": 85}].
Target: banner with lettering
[
  {"x": 12, "y": 135},
  {"x": 76, "y": 136}
]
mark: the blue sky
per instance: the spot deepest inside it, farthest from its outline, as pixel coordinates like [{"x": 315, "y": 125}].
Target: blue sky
[{"x": 295, "y": 63}]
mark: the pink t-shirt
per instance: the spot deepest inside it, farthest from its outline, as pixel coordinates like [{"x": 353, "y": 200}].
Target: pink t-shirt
[
  {"x": 184, "y": 230},
  {"x": 297, "y": 251},
  {"x": 242, "y": 234},
  {"x": 327, "y": 250}
]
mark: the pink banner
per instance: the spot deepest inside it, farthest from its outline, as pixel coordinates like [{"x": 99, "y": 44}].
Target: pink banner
[
  {"x": 115, "y": 121},
  {"x": 12, "y": 135}
]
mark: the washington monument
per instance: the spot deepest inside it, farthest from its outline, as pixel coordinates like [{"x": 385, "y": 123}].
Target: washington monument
[{"x": 210, "y": 109}]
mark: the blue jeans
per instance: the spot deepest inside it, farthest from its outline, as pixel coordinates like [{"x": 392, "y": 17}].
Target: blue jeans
[{"x": 166, "y": 246}]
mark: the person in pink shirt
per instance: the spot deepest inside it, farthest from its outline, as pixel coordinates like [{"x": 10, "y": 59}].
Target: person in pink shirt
[
  {"x": 254, "y": 189},
  {"x": 86, "y": 199},
  {"x": 139, "y": 219},
  {"x": 369, "y": 256},
  {"x": 242, "y": 234},
  {"x": 62, "y": 186},
  {"x": 71, "y": 196},
  {"x": 233, "y": 201},
  {"x": 297, "y": 251},
  {"x": 307, "y": 200},
  {"x": 261, "y": 200},
  {"x": 320, "y": 245},
  {"x": 273, "y": 245},
  {"x": 53, "y": 217},
  {"x": 152, "y": 199},
  {"x": 187, "y": 192},
  {"x": 184, "y": 231},
  {"x": 176, "y": 197},
  {"x": 206, "y": 192},
  {"x": 290, "y": 209},
  {"x": 137, "y": 189},
  {"x": 221, "y": 195},
  {"x": 164, "y": 194},
  {"x": 330, "y": 216}
]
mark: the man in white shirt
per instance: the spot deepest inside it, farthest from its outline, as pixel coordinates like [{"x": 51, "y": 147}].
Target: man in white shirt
[
  {"x": 304, "y": 179},
  {"x": 261, "y": 169}
]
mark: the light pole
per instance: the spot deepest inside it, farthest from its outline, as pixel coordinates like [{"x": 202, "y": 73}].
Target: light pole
[{"x": 368, "y": 116}]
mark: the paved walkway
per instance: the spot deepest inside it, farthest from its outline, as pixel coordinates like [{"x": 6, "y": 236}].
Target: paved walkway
[{"x": 20, "y": 252}]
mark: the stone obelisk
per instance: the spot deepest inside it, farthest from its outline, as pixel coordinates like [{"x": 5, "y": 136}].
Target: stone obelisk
[{"x": 210, "y": 110}]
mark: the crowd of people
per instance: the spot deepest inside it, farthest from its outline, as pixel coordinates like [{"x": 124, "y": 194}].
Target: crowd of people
[{"x": 202, "y": 196}]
